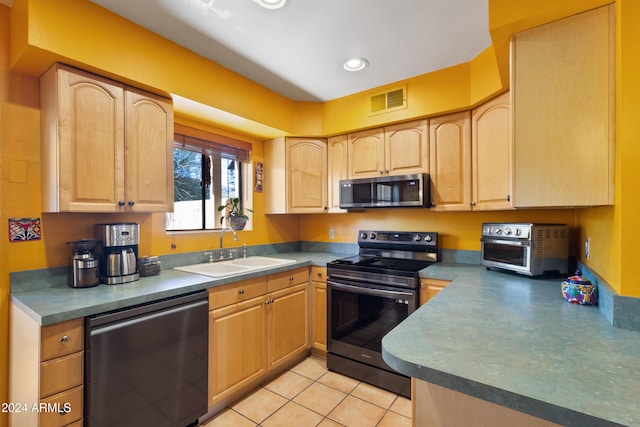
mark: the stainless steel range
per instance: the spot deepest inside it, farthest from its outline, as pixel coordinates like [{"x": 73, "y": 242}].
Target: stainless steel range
[{"x": 368, "y": 295}]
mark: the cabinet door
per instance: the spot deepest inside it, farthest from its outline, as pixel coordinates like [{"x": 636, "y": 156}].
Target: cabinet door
[
  {"x": 430, "y": 287},
  {"x": 83, "y": 142},
  {"x": 149, "y": 153},
  {"x": 319, "y": 308},
  {"x": 319, "y": 316},
  {"x": 237, "y": 347},
  {"x": 407, "y": 148},
  {"x": 288, "y": 324},
  {"x": 366, "y": 154},
  {"x": 492, "y": 153},
  {"x": 337, "y": 167},
  {"x": 450, "y": 140},
  {"x": 306, "y": 175},
  {"x": 563, "y": 111}
]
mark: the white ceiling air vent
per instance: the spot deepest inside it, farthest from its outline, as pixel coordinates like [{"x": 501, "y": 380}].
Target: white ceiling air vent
[{"x": 390, "y": 100}]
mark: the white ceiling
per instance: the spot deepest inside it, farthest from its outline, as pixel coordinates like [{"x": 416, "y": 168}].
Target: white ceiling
[{"x": 298, "y": 51}]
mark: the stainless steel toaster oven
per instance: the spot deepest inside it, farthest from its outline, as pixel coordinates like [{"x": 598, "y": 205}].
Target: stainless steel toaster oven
[{"x": 526, "y": 248}]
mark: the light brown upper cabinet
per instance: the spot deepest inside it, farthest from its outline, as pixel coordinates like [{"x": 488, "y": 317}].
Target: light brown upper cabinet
[
  {"x": 337, "y": 166},
  {"x": 450, "y": 139},
  {"x": 563, "y": 111},
  {"x": 106, "y": 147},
  {"x": 471, "y": 158},
  {"x": 492, "y": 155},
  {"x": 394, "y": 150},
  {"x": 295, "y": 175}
]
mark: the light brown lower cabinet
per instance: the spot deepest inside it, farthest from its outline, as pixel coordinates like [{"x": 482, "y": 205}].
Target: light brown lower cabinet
[
  {"x": 237, "y": 347},
  {"x": 430, "y": 287},
  {"x": 433, "y": 405},
  {"x": 319, "y": 309},
  {"x": 46, "y": 372},
  {"x": 256, "y": 327}
]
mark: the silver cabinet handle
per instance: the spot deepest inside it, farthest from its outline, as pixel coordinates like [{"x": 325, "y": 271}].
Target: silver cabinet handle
[
  {"x": 241, "y": 291},
  {"x": 64, "y": 339}
]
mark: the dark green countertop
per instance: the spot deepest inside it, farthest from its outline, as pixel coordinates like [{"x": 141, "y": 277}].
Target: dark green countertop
[
  {"x": 516, "y": 342},
  {"x": 57, "y": 303}
]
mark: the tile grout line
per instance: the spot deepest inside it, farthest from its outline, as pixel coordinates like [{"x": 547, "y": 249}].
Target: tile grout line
[
  {"x": 324, "y": 417},
  {"x": 314, "y": 381}
]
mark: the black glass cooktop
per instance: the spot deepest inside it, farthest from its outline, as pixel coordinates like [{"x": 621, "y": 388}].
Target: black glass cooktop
[{"x": 371, "y": 263}]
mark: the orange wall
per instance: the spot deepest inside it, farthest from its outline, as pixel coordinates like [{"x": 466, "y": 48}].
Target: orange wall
[
  {"x": 614, "y": 231},
  {"x": 460, "y": 230},
  {"x": 4, "y": 262}
]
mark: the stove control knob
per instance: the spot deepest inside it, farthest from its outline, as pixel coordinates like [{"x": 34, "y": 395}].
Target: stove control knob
[
  {"x": 372, "y": 236},
  {"x": 417, "y": 237},
  {"x": 498, "y": 231},
  {"x": 507, "y": 231},
  {"x": 363, "y": 236},
  {"x": 518, "y": 232},
  {"x": 428, "y": 237}
]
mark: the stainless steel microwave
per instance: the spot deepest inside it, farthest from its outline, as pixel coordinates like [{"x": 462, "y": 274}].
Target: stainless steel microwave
[{"x": 385, "y": 192}]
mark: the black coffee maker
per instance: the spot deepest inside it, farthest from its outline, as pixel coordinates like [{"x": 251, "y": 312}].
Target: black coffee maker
[{"x": 118, "y": 252}]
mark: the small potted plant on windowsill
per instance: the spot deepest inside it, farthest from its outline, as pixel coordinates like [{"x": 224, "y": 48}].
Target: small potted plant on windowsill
[{"x": 234, "y": 214}]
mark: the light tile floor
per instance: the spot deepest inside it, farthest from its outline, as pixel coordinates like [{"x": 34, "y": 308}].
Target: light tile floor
[{"x": 310, "y": 395}]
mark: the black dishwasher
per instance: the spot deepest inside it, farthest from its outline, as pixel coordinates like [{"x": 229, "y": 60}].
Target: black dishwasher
[{"x": 147, "y": 365}]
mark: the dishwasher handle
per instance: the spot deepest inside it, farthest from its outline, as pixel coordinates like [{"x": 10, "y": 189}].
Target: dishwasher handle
[
  {"x": 98, "y": 320},
  {"x": 112, "y": 326}
]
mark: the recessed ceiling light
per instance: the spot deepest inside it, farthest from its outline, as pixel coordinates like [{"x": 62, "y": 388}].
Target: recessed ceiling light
[
  {"x": 271, "y": 4},
  {"x": 355, "y": 64}
]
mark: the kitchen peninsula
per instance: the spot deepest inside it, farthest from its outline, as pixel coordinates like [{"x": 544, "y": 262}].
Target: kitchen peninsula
[{"x": 513, "y": 341}]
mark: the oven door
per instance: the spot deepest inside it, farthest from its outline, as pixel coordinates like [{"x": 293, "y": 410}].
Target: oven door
[
  {"x": 359, "y": 315},
  {"x": 513, "y": 255}
]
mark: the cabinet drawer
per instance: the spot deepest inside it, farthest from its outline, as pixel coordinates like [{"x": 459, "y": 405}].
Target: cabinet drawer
[
  {"x": 287, "y": 278},
  {"x": 319, "y": 274},
  {"x": 61, "y": 339},
  {"x": 237, "y": 292},
  {"x": 62, "y": 408},
  {"x": 60, "y": 374}
]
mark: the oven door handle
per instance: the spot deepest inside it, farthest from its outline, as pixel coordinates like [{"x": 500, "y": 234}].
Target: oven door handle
[
  {"x": 505, "y": 242},
  {"x": 370, "y": 291}
]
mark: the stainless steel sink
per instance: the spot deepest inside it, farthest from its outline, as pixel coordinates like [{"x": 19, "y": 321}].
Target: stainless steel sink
[{"x": 234, "y": 267}]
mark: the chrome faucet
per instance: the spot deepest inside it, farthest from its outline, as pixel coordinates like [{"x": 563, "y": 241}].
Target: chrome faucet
[{"x": 235, "y": 238}]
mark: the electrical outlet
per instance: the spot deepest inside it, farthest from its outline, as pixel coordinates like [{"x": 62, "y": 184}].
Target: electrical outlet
[
  {"x": 332, "y": 234},
  {"x": 587, "y": 247}
]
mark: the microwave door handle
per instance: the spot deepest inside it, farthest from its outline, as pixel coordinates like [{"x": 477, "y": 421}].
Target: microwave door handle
[{"x": 506, "y": 242}]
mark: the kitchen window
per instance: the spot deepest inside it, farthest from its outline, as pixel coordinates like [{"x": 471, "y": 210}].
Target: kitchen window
[{"x": 209, "y": 169}]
